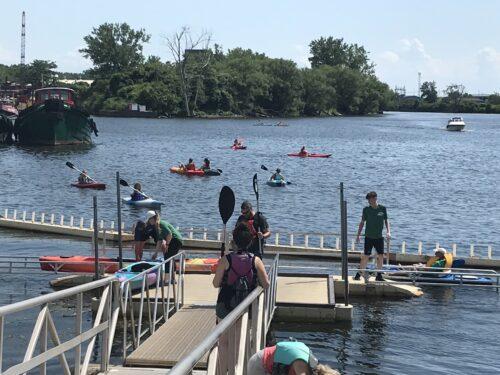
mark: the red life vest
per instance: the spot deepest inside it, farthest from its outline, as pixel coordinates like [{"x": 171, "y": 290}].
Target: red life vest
[{"x": 250, "y": 226}]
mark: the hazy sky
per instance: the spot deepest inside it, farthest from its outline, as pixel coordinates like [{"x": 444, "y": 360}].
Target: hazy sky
[{"x": 448, "y": 41}]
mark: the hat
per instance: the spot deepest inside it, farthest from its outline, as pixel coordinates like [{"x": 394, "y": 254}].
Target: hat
[
  {"x": 441, "y": 250},
  {"x": 150, "y": 214},
  {"x": 246, "y": 205}
]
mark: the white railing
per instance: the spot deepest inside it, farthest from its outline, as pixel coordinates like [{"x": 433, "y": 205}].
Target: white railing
[
  {"x": 45, "y": 328},
  {"x": 155, "y": 303},
  {"x": 239, "y": 335},
  {"x": 294, "y": 240}
]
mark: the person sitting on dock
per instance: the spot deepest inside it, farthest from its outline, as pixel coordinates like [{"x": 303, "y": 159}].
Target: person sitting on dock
[
  {"x": 137, "y": 194},
  {"x": 375, "y": 215},
  {"x": 440, "y": 261},
  {"x": 277, "y": 176},
  {"x": 287, "y": 357},
  {"x": 84, "y": 178},
  {"x": 206, "y": 164},
  {"x": 303, "y": 151},
  {"x": 190, "y": 166},
  {"x": 258, "y": 226},
  {"x": 237, "y": 273}
]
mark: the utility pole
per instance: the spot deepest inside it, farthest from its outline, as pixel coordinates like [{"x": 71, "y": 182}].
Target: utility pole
[
  {"x": 419, "y": 91},
  {"x": 23, "y": 39}
]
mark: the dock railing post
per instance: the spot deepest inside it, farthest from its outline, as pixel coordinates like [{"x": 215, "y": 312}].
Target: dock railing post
[
  {"x": 119, "y": 212},
  {"x": 343, "y": 232},
  {"x": 96, "y": 241}
]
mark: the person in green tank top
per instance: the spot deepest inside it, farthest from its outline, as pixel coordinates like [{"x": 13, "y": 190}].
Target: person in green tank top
[{"x": 375, "y": 216}]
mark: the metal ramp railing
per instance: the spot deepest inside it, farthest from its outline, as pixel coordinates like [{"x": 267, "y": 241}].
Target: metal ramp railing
[{"x": 243, "y": 331}]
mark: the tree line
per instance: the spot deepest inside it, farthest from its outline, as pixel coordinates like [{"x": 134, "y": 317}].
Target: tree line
[{"x": 204, "y": 80}]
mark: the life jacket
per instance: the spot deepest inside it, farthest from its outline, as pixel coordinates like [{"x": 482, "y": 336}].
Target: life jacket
[
  {"x": 190, "y": 167},
  {"x": 239, "y": 279},
  {"x": 136, "y": 196},
  {"x": 250, "y": 225}
]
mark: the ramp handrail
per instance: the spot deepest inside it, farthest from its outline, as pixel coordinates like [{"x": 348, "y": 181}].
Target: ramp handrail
[
  {"x": 262, "y": 304},
  {"x": 162, "y": 306},
  {"x": 45, "y": 327}
]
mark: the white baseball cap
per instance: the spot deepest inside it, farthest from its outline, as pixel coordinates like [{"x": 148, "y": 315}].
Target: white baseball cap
[
  {"x": 441, "y": 250},
  {"x": 149, "y": 215}
]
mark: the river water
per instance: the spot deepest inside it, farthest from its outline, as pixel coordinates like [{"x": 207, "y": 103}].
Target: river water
[{"x": 438, "y": 186}]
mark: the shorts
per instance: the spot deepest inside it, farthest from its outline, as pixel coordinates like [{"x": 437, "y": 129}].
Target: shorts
[
  {"x": 140, "y": 233},
  {"x": 173, "y": 248},
  {"x": 377, "y": 243}
]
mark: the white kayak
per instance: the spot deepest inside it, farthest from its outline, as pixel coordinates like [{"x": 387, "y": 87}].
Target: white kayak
[{"x": 149, "y": 203}]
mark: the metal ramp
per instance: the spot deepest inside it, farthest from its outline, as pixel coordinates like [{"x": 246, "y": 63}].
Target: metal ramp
[{"x": 175, "y": 339}]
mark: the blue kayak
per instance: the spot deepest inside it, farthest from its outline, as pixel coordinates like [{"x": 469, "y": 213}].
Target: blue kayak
[
  {"x": 394, "y": 273},
  {"x": 135, "y": 269},
  {"x": 148, "y": 203},
  {"x": 276, "y": 183}
]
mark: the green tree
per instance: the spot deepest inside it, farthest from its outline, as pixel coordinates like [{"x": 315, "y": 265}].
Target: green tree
[
  {"x": 429, "y": 92},
  {"x": 455, "y": 94},
  {"x": 335, "y": 52},
  {"x": 114, "y": 47},
  {"x": 319, "y": 95}
]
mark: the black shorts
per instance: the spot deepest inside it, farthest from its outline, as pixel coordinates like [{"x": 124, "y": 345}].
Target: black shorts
[
  {"x": 140, "y": 233},
  {"x": 173, "y": 248},
  {"x": 377, "y": 243}
]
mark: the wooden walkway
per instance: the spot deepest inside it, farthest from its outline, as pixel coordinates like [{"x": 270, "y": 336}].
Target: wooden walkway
[{"x": 176, "y": 338}]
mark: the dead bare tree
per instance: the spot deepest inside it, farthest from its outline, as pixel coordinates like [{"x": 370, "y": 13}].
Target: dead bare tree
[{"x": 191, "y": 54}]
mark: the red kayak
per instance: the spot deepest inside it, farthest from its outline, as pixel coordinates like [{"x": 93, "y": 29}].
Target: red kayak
[
  {"x": 202, "y": 265},
  {"x": 77, "y": 264},
  {"x": 238, "y": 147},
  {"x": 311, "y": 155},
  {"x": 92, "y": 185},
  {"x": 187, "y": 172}
]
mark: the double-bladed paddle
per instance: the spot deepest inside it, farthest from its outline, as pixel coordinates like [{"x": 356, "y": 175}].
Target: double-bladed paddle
[
  {"x": 226, "y": 209},
  {"x": 125, "y": 183},
  {"x": 72, "y": 166}
]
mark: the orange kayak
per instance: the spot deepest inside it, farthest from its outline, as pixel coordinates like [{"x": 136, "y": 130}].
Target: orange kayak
[{"x": 77, "y": 264}]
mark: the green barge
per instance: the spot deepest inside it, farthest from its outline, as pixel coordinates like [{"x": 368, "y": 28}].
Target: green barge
[{"x": 53, "y": 120}]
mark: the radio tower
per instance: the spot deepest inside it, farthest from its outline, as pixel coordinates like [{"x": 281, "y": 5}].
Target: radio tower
[{"x": 23, "y": 40}]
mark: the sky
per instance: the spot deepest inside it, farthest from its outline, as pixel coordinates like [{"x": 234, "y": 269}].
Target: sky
[{"x": 447, "y": 41}]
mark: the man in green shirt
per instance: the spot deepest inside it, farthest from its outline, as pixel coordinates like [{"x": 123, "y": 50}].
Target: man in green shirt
[{"x": 374, "y": 215}]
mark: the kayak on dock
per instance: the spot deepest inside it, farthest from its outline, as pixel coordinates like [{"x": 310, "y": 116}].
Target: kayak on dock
[
  {"x": 201, "y": 265},
  {"x": 134, "y": 269},
  {"x": 77, "y": 264},
  {"x": 91, "y": 185},
  {"x": 308, "y": 155},
  {"x": 148, "y": 202}
]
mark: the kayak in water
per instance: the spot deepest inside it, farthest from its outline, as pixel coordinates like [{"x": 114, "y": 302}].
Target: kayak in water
[
  {"x": 148, "y": 202},
  {"x": 187, "y": 172},
  {"x": 212, "y": 172},
  {"x": 276, "y": 183},
  {"x": 91, "y": 185},
  {"x": 240, "y": 147},
  {"x": 308, "y": 155}
]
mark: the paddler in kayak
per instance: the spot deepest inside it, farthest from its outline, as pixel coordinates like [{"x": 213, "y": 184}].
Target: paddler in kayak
[
  {"x": 237, "y": 143},
  {"x": 84, "y": 178},
  {"x": 258, "y": 226},
  {"x": 137, "y": 194},
  {"x": 190, "y": 166},
  {"x": 206, "y": 165},
  {"x": 277, "y": 176},
  {"x": 303, "y": 151}
]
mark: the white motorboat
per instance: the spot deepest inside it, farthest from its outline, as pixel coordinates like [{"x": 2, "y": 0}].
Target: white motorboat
[{"x": 455, "y": 124}]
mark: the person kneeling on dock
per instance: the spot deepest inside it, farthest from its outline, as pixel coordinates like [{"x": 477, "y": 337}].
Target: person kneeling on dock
[
  {"x": 167, "y": 238},
  {"x": 440, "y": 261},
  {"x": 287, "y": 357},
  {"x": 375, "y": 215}
]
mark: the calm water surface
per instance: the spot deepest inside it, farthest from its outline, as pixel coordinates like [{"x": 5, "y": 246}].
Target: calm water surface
[{"x": 438, "y": 186}]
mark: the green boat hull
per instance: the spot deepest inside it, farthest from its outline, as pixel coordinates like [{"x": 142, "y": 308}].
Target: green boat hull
[{"x": 53, "y": 124}]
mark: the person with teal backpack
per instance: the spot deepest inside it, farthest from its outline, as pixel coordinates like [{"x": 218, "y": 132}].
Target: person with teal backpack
[{"x": 287, "y": 358}]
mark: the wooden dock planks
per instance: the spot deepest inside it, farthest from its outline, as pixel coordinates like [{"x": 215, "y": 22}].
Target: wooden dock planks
[{"x": 176, "y": 338}]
